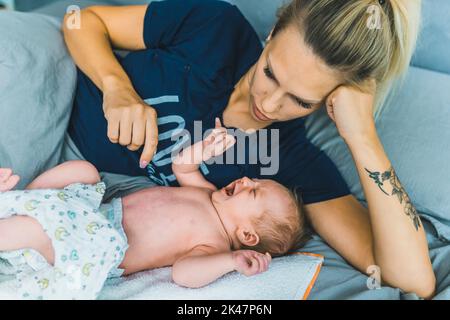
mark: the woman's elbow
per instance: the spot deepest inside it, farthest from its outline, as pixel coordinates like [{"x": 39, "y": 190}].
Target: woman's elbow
[
  {"x": 424, "y": 288},
  {"x": 427, "y": 289},
  {"x": 73, "y": 19}
]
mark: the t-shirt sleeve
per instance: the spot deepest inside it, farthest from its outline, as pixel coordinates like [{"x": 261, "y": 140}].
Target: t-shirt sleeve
[
  {"x": 170, "y": 22},
  {"x": 324, "y": 181},
  {"x": 312, "y": 174},
  {"x": 212, "y": 35}
]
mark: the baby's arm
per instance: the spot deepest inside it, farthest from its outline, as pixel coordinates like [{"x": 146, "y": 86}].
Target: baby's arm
[
  {"x": 185, "y": 166},
  {"x": 204, "y": 265},
  {"x": 76, "y": 171},
  {"x": 56, "y": 178}
]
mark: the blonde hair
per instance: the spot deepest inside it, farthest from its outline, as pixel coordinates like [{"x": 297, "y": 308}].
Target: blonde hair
[
  {"x": 282, "y": 233},
  {"x": 362, "y": 39}
]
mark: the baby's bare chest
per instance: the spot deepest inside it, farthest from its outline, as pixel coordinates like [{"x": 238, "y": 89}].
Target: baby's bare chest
[
  {"x": 162, "y": 225},
  {"x": 167, "y": 213}
]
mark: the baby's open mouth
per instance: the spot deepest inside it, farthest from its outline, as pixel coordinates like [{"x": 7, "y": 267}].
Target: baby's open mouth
[{"x": 229, "y": 190}]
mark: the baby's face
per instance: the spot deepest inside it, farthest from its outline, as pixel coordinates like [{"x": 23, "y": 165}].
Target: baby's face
[{"x": 246, "y": 199}]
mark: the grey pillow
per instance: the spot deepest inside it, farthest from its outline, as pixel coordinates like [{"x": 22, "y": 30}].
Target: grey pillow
[{"x": 37, "y": 82}]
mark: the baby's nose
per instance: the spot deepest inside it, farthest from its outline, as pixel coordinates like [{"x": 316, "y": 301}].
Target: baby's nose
[{"x": 247, "y": 181}]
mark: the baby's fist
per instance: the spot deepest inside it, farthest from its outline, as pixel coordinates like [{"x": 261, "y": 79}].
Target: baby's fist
[
  {"x": 249, "y": 262},
  {"x": 7, "y": 179},
  {"x": 217, "y": 142}
]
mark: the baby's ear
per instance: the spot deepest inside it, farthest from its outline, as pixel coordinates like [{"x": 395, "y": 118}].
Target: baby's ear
[{"x": 247, "y": 237}]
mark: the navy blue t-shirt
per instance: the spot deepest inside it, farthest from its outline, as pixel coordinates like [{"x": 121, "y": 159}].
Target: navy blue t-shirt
[{"x": 196, "y": 52}]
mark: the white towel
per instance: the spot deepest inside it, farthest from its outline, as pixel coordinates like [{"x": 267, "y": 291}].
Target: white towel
[{"x": 289, "y": 277}]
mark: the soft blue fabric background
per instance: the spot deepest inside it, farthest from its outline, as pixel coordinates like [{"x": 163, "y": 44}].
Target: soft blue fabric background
[
  {"x": 414, "y": 127},
  {"x": 37, "y": 81},
  {"x": 432, "y": 51}
]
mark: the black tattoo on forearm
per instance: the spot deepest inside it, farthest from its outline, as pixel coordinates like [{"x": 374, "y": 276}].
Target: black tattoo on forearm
[{"x": 397, "y": 190}]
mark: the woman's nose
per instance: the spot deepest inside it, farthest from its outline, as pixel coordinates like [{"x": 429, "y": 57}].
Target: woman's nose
[{"x": 272, "y": 103}]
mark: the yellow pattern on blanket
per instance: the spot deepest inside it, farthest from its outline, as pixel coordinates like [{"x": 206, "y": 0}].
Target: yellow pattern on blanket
[{"x": 87, "y": 246}]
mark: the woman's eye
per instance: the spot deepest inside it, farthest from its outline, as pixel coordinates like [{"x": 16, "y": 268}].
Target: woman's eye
[
  {"x": 303, "y": 104},
  {"x": 268, "y": 73}
]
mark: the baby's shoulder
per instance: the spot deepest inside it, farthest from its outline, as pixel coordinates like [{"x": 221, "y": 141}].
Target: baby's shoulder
[
  {"x": 209, "y": 248},
  {"x": 213, "y": 244}
]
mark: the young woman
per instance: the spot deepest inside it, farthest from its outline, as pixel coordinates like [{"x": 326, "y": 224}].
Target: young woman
[{"x": 194, "y": 60}]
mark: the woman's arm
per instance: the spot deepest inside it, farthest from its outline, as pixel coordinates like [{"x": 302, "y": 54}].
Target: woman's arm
[
  {"x": 101, "y": 29},
  {"x": 131, "y": 122},
  {"x": 400, "y": 245},
  {"x": 397, "y": 238}
]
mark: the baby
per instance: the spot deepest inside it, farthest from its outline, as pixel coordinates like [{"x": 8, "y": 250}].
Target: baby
[{"x": 202, "y": 232}]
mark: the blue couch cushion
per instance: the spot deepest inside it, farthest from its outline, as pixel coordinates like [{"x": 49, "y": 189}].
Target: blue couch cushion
[{"x": 433, "y": 48}]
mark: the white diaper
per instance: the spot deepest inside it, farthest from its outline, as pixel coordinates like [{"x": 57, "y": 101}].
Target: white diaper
[{"x": 88, "y": 247}]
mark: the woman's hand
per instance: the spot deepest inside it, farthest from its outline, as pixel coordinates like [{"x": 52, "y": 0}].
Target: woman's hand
[
  {"x": 249, "y": 262},
  {"x": 131, "y": 122},
  {"x": 352, "y": 111}
]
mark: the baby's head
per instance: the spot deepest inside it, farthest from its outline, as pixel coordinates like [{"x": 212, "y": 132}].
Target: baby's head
[{"x": 261, "y": 215}]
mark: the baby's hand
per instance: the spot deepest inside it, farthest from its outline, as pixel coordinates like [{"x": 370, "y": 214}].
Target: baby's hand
[
  {"x": 217, "y": 142},
  {"x": 7, "y": 179},
  {"x": 249, "y": 262}
]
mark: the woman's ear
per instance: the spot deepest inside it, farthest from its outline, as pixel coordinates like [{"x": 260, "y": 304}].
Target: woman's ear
[
  {"x": 330, "y": 106},
  {"x": 247, "y": 237}
]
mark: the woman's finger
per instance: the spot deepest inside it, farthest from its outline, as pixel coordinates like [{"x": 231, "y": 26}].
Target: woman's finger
[
  {"x": 137, "y": 140},
  {"x": 151, "y": 141},
  {"x": 125, "y": 129},
  {"x": 113, "y": 130}
]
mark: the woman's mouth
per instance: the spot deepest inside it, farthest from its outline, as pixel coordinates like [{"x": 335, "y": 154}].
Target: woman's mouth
[{"x": 258, "y": 114}]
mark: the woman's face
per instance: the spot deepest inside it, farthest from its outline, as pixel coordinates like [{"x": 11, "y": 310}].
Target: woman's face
[{"x": 289, "y": 81}]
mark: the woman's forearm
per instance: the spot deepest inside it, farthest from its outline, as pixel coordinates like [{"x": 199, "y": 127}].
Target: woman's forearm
[
  {"x": 91, "y": 48},
  {"x": 400, "y": 245}
]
